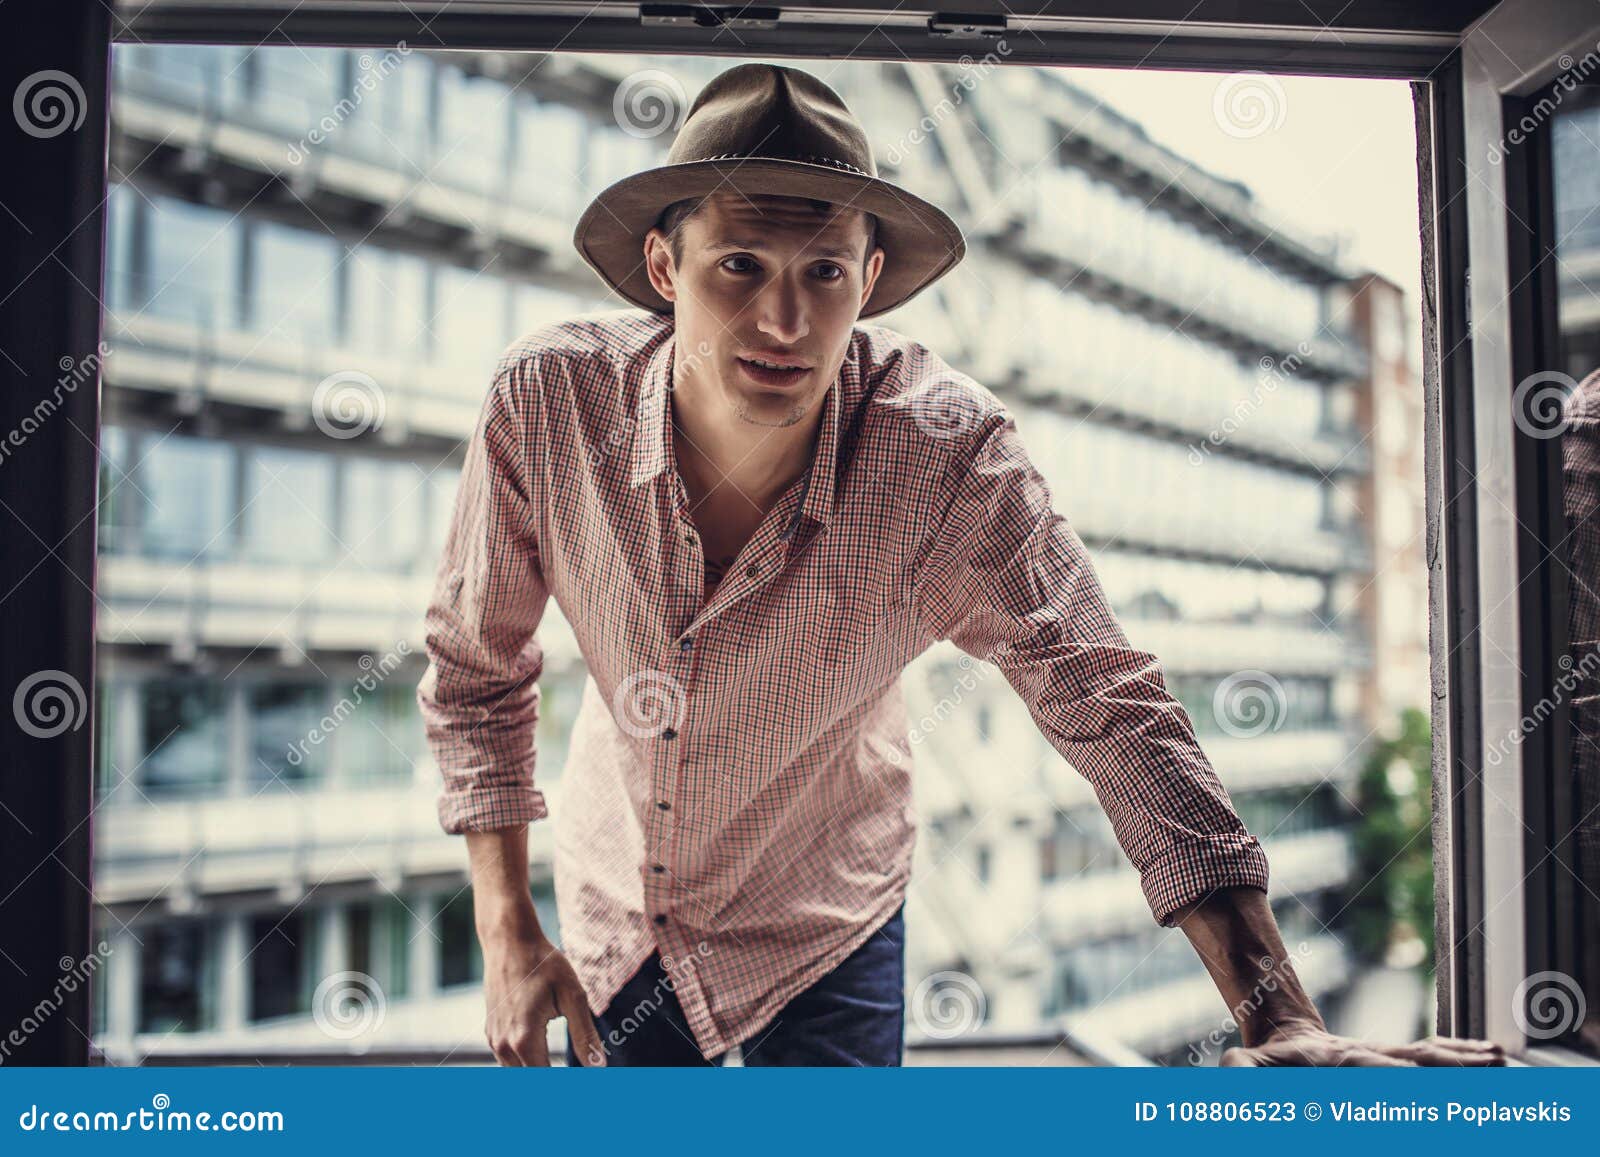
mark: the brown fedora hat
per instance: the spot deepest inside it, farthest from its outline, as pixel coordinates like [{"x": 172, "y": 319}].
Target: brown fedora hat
[{"x": 765, "y": 128}]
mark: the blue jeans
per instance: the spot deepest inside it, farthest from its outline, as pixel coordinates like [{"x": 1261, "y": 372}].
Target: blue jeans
[{"x": 855, "y": 1015}]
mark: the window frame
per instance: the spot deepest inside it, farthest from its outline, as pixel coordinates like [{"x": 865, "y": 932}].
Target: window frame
[{"x": 1477, "y": 475}]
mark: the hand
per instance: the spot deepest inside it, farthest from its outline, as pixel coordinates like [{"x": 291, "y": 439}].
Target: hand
[
  {"x": 527, "y": 983},
  {"x": 1313, "y": 1045}
]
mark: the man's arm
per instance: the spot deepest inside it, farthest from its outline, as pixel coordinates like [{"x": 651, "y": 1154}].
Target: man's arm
[
  {"x": 527, "y": 982},
  {"x": 1005, "y": 578},
  {"x": 1234, "y": 932},
  {"x": 480, "y": 704}
]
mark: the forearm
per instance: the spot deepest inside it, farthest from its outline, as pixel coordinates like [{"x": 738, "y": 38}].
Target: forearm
[
  {"x": 1237, "y": 937},
  {"x": 501, "y": 902}
]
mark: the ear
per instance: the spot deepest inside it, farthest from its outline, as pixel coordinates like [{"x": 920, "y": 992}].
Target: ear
[
  {"x": 658, "y": 264},
  {"x": 873, "y": 268}
]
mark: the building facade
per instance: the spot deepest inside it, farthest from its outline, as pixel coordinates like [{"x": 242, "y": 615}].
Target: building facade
[{"x": 315, "y": 257}]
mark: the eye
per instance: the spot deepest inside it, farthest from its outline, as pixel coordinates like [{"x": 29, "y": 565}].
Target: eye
[
  {"x": 837, "y": 269},
  {"x": 738, "y": 257}
]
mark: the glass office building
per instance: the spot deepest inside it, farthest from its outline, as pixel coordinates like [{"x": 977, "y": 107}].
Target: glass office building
[{"x": 315, "y": 257}]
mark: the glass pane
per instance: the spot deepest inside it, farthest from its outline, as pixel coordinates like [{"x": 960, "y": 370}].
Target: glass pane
[
  {"x": 382, "y": 739},
  {"x": 187, "y": 497},
  {"x": 383, "y": 507},
  {"x": 294, "y": 292},
  {"x": 286, "y": 732},
  {"x": 194, "y": 262},
  {"x": 288, "y": 515},
  {"x": 1565, "y": 403},
  {"x": 184, "y": 735},
  {"x": 173, "y": 977},
  {"x": 280, "y": 964}
]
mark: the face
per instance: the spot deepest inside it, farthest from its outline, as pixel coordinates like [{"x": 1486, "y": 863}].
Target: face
[{"x": 764, "y": 279}]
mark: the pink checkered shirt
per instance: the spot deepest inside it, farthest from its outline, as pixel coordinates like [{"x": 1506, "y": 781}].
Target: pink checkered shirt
[{"x": 737, "y": 792}]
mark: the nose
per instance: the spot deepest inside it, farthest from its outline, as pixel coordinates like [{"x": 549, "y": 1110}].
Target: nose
[{"x": 781, "y": 311}]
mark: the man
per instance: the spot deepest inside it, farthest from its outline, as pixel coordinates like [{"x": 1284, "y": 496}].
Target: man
[{"x": 754, "y": 512}]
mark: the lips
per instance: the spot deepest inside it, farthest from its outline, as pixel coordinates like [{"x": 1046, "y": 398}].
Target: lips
[{"x": 768, "y": 375}]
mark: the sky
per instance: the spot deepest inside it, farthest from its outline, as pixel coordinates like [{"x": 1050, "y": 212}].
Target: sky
[{"x": 1337, "y": 155}]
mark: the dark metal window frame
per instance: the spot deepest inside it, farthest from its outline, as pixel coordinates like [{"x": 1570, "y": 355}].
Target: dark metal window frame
[{"x": 1476, "y": 471}]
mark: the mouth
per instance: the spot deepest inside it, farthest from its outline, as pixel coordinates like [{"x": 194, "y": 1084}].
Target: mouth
[{"x": 772, "y": 372}]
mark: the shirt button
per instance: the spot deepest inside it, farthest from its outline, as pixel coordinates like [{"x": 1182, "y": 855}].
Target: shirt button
[
  {"x": 752, "y": 570},
  {"x": 661, "y": 919},
  {"x": 658, "y": 868},
  {"x": 663, "y": 805},
  {"x": 686, "y": 644},
  {"x": 669, "y": 733}
]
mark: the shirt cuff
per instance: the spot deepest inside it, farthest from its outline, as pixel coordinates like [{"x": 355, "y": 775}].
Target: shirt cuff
[
  {"x": 1193, "y": 871},
  {"x": 490, "y": 809}
]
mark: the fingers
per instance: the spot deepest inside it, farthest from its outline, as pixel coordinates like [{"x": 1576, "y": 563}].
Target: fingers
[
  {"x": 1444, "y": 1050},
  {"x": 523, "y": 1048},
  {"x": 580, "y": 1027},
  {"x": 1370, "y": 1057},
  {"x": 1238, "y": 1058}
]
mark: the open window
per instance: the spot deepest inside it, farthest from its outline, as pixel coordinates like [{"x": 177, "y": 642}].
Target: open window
[{"x": 287, "y": 240}]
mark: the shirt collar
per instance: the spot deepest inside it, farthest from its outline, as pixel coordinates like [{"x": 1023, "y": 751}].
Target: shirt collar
[{"x": 650, "y": 451}]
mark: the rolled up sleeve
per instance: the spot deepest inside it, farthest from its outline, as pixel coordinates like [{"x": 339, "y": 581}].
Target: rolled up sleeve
[
  {"x": 479, "y": 696},
  {"x": 1005, "y": 578}
]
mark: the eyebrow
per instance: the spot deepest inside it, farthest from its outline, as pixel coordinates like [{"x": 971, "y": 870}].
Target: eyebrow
[{"x": 837, "y": 252}]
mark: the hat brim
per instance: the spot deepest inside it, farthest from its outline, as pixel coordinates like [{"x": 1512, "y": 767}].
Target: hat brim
[{"x": 920, "y": 241}]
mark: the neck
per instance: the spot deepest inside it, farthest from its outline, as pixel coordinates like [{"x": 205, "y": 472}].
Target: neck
[{"x": 717, "y": 449}]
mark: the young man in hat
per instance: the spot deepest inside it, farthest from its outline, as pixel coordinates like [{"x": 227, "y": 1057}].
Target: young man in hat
[{"x": 755, "y": 512}]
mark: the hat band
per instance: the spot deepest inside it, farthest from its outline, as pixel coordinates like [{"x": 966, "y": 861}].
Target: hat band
[{"x": 810, "y": 158}]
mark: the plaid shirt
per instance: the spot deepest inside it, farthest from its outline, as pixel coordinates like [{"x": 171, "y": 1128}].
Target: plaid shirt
[{"x": 737, "y": 792}]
